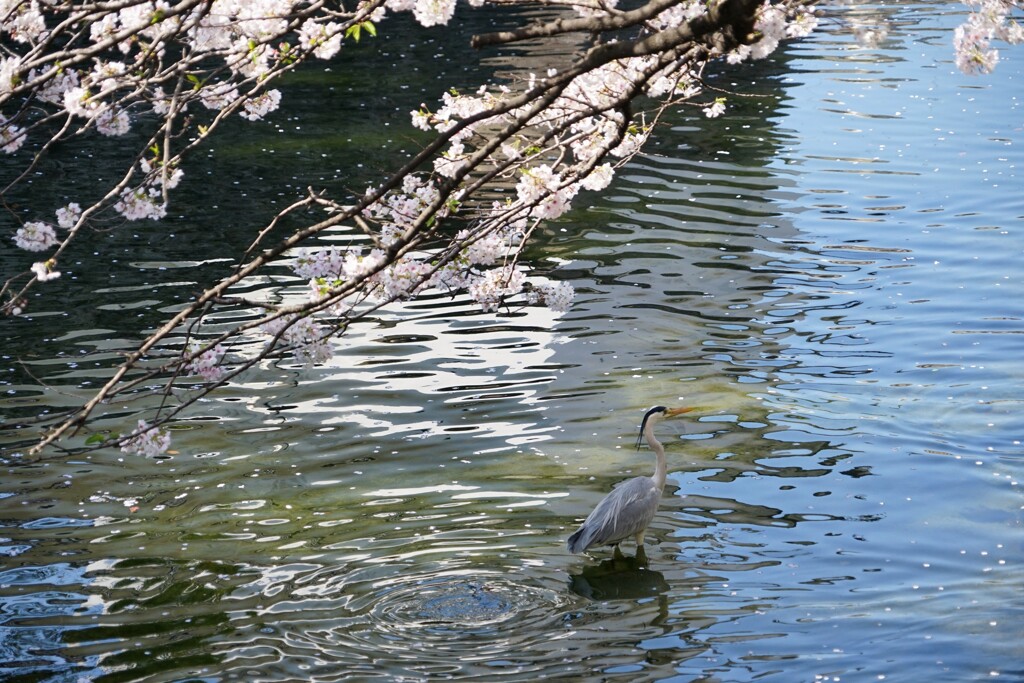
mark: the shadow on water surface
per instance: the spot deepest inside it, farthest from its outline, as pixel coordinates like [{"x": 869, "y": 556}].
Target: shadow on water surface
[{"x": 619, "y": 578}]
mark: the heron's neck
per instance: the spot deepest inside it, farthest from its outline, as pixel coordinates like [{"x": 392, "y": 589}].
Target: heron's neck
[{"x": 659, "y": 452}]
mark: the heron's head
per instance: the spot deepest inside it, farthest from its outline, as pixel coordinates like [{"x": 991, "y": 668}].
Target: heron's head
[
  {"x": 657, "y": 414},
  {"x": 661, "y": 412}
]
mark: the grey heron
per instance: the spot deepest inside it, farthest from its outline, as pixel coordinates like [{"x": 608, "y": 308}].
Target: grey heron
[{"x": 629, "y": 508}]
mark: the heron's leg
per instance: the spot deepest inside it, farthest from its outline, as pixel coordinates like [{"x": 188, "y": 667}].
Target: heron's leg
[
  {"x": 641, "y": 555},
  {"x": 641, "y": 552},
  {"x": 617, "y": 555}
]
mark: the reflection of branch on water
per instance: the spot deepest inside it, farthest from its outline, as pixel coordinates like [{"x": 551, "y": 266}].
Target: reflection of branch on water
[
  {"x": 729, "y": 511},
  {"x": 729, "y": 469}
]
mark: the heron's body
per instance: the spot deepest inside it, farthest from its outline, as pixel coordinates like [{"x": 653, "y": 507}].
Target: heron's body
[{"x": 628, "y": 510}]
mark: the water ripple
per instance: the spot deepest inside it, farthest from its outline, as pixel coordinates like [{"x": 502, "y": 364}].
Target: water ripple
[{"x": 410, "y": 618}]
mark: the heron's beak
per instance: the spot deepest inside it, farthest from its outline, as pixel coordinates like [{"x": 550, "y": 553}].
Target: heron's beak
[{"x": 672, "y": 412}]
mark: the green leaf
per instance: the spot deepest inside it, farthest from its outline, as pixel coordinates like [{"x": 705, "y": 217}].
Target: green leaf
[
  {"x": 96, "y": 438},
  {"x": 355, "y": 31}
]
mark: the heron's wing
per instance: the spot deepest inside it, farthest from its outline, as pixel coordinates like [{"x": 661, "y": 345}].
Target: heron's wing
[{"x": 623, "y": 513}]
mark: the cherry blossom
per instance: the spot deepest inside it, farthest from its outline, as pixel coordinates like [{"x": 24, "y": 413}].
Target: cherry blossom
[
  {"x": 111, "y": 123},
  {"x": 9, "y": 67},
  {"x": 23, "y": 21},
  {"x": 988, "y": 20},
  {"x": 974, "y": 54},
  {"x": 318, "y": 263},
  {"x": 357, "y": 265},
  {"x": 554, "y": 204},
  {"x": 483, "y": 250},
  {"x": 497, "y": 285},
  {"x": 36, "y": 236},
  {"x": 322, "y": 39},
  {"x": 159, "y": 176},
  {"x": 79, "y": 101},
  {"x": 218, "y": 96},
  {"x": 12, "y": 137},
  {"x": 715, "y": 109},
  {"x": 68, "y": 215},
  {"x": 206, "y": 363},
  {"x": 307, "y": 338},
  {"x": 557, "y": 296},
  {"x": 56, "y": 87},
  {"x": 309, "y": 341},
  {"x": 404, "y": 278},
  {"x": 142, "y": 203},
  {"x": 45, "y": 270},
  {"x": 433, "y": 12},
  {"x": 148, "y": 441},
  {"x": 599, "y": 178},
  {"x": 257, "y": 107},
  {"x": 536, "y": 183}
]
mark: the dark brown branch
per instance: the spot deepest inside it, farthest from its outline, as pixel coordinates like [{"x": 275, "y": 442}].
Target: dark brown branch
[{"x": 597, "y": 24}]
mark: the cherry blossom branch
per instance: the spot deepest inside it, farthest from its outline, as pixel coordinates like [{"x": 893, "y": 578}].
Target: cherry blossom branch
[{"x": 559, "y": 135}]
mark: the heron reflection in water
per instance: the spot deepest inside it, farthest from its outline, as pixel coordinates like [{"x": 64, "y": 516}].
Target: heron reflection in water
[
  {"x": 628, "y": 510},
  {"x": 619, "y": 578}
]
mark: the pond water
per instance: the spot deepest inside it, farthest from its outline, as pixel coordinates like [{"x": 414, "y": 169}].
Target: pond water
[{"x": 831, "y": 274}]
